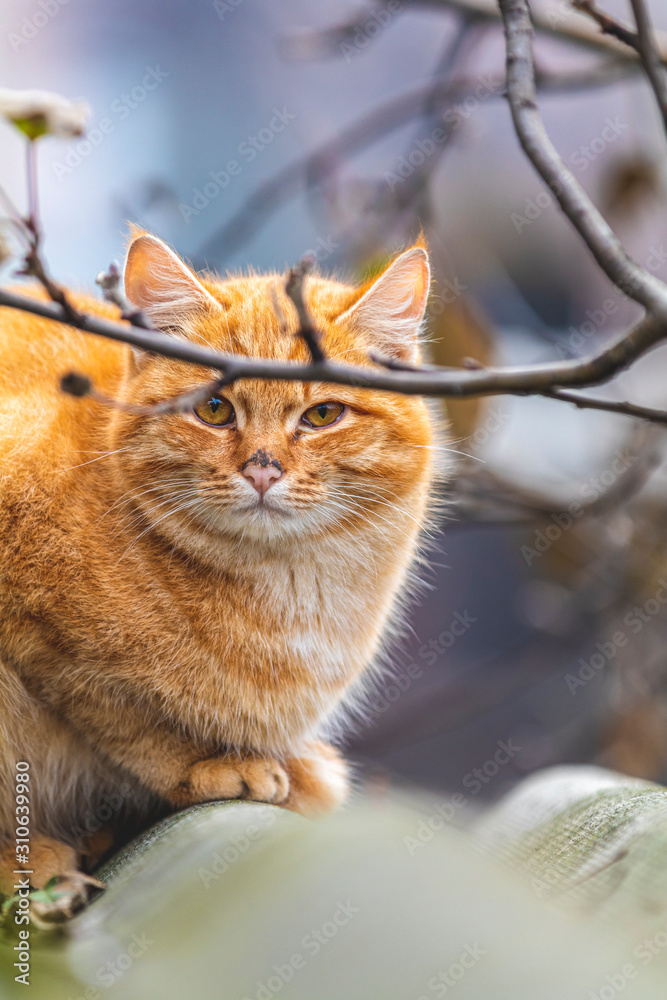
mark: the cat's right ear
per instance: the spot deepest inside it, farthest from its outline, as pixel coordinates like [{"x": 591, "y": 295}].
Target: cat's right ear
[
  {"x": 159, "y": 283},
  {"x": 390, "y": 312}
]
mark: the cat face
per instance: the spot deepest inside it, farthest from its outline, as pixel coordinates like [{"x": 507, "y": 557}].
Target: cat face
[{"x": 267, "y": 459}]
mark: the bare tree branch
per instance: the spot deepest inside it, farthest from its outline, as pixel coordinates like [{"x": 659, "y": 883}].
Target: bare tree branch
[
  {"x": 393, "y": 205},
  {"x": 446, "y": 382},
  {"x": 547, "y": 379},
  {"x": 549, "y": 22},
  {"x": 596, "y": 233}
]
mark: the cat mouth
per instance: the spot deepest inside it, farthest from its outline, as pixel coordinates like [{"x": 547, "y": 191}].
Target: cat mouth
[{"x": 264, "y": 508}]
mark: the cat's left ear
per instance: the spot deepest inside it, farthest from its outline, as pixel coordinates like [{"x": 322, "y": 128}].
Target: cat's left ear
[
  {"x": 390, "y": 313},
  {"x": 159, "y": 283}
]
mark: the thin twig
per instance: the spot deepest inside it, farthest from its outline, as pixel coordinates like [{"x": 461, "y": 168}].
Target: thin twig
[
  {"x": 481, "y": 495},
  {"x": 335, "y": 40},
  {"x": 568, "y": 29},
  {"x": 277, "y": 308},
  {"x": 289, "y": 182},
  {"x": 650, "y": 56},
  {"x": 642, "y": 41},
  {"x": 80, "y": 386},
  {"x": 608, "y": 405},
  {"x": 294, "y": 290},
  {"x": 608, "y": 25},
  {"x": 31, "y": 184},
  {"x": 31, "y": 230},
  {"x": 395, "y": 204},
  {"x": 112, "y": 291},
  {"x": 34, "y": 267},
  {"x": 312, "y": 170}
]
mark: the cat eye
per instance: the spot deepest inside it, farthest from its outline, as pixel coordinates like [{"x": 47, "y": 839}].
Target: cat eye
[
  {"x": 217, "y": 411},
  {"x": 323, "y": 415}
]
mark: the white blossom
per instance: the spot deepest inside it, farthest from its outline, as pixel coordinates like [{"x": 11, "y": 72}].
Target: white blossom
[{"x": 39, "y": 112}]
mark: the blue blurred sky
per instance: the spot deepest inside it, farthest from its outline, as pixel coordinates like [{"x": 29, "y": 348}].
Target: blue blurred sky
[{"x": 223, "y": 73}]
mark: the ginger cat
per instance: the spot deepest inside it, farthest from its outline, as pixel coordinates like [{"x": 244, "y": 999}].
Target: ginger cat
[{"x": 187, "y": 600}]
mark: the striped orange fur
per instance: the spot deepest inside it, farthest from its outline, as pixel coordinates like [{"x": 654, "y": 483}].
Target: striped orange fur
[{"x": 168, "y": 634}]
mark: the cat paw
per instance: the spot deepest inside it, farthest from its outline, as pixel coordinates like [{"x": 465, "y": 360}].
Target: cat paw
[
  {"x": 319, "y": 780},
  {"x": 60, "y": 899},
  {"x": 255, "y": 778}
]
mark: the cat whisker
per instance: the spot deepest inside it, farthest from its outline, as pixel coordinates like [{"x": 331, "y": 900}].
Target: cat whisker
[
  {"x": 129, "y": 494},
  {"x": 169, "y": 513},
  {"x": 146, "y": 515},
  {"x": 386, "y": 520},
  {"x": 130, "y": 497},
  {"x": 376, "y": 498},
  {"x": 465, "y": 454},
  {"x": 99, "y": 458}
]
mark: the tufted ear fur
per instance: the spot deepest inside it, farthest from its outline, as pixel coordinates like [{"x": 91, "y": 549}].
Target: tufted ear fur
[
  {"x": 157, "y": 281},
  {"x": 392, "y": 310}
]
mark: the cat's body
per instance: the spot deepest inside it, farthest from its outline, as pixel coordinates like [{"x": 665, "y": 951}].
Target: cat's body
[{"x": 171, "y": 629}]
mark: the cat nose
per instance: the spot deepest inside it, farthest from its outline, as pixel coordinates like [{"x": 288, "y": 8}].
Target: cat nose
[{"x": 262, "y": 477}]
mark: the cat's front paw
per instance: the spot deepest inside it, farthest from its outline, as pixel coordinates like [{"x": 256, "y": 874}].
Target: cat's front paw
[
  {"x": 60, "y": 900},
  {"x": 233, "y": 777},
  {"x": 319, "y": 780}
]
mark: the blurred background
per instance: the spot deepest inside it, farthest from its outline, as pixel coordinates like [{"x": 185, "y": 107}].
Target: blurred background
[{"x": 247, "y": 134}]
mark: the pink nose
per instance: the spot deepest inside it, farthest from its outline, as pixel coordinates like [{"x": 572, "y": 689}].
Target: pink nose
[{"x": 262, "y": 477}]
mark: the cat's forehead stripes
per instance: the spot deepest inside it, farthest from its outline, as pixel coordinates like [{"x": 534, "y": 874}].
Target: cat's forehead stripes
[
  {"x": 257, "y": 318},
  {"x": 268, "y": 401}
]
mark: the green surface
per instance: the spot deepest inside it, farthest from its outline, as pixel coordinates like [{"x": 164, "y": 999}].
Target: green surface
[{"x": 238, "y": 900}]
